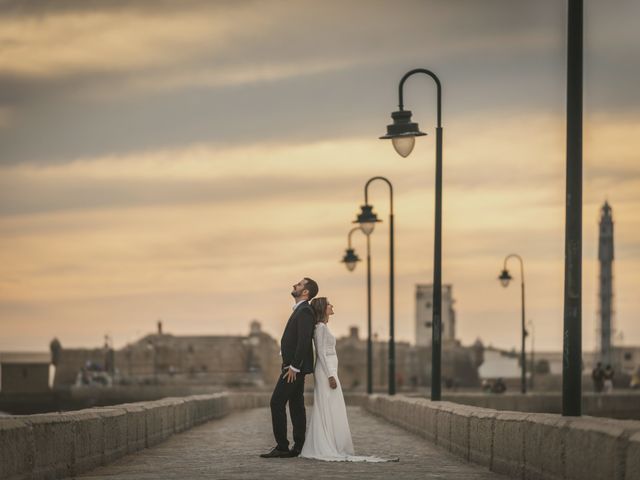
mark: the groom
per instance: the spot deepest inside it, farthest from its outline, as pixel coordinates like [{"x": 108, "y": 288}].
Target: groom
[{"x": 297, "y": 360}]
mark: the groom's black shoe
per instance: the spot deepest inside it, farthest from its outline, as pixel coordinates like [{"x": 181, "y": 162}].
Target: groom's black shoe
[
  {"x": 294, "y": 452},
  {"x": 275, "y": 453}
]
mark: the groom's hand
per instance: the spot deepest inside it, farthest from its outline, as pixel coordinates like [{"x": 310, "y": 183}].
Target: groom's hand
[
  {"x": 290, "y": 376},
  {"x": 332, "y": 383}
]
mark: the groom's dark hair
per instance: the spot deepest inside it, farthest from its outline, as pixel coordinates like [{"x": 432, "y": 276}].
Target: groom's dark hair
[{"x": 311, "y": 286}]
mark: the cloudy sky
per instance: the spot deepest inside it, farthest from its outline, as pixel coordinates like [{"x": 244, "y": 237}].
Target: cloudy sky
[{"x": 190, "y": 160}]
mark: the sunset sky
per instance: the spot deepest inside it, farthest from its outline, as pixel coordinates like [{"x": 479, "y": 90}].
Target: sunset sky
[{"x": 190, "y": 160}]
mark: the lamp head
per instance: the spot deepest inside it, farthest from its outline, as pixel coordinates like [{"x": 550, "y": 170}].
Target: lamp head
[
  {"x": 350, "y": 259},
  {"x": 505, "y": 278},
  {"x": 367, "y": 219},
  {"x": 402, "y": 132}
]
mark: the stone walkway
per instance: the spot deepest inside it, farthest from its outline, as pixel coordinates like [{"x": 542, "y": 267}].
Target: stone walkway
[{"x": 229, "y": 449}]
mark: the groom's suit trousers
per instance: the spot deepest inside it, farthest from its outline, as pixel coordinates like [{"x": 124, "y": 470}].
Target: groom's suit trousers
[{"x": 293, "y": 393}]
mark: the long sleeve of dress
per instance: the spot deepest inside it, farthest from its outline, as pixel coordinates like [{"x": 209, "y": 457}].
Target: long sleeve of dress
[{"x": 321, "y": 351}]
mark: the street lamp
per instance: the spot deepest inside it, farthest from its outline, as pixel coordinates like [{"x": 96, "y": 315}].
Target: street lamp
[
  {"x": 367, "y": 220},
  {"x": 350, "y": 260},
  {"x": 505, "y": 277},
  {"x": 402, "y": 133},
  {"x": 532, "y": 329}
]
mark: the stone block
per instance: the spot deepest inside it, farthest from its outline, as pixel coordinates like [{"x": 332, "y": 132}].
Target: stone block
[
  {"x": 221, "y": 405},
  {"x": 201, "y": 408},
  {"x": 632, "y": 462},
  {"x": 509, "y": 443},
  {"x": 88, "y": 439},
  {"x": 375, "y": 405},
  {"x": 191, "y": 418},
  {"x": 157, "y": 418},
  {"x": 16, "y": 448},
  {"x": 213, "y": 406},
  {"x": 443, "y": 425},
  {"x": 481, "y": 428},
  {"x": 115, "y": 424},
  {"x": 181, "y": 416},
  {"x": 459, "y": 432},
  {"x": 595, "y": 449},
  {"x": 411, "y": 415},
  {"x": 429, "y": 413},
  {"x": 545, "y": 440},
  {"x": 383, "y": 406},
  {"x": 53, "y": 436},
  {"x": 136, "y": 417}
]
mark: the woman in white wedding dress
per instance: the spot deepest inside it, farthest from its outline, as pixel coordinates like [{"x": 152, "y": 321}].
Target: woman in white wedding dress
[{"x": 328, "y": 436}]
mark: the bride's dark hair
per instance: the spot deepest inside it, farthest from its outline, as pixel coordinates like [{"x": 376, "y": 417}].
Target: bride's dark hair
[{"x": 319, "y": 306}]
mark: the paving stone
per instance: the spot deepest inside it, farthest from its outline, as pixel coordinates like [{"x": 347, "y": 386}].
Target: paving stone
[{"x": 229, "y": 448}]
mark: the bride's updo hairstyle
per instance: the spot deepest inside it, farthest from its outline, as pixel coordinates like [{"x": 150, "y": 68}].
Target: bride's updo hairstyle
[{"x": 319, "y": 306}]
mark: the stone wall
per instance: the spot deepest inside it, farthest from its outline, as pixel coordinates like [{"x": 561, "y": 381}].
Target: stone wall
[
  {"x": 621, "y": 404},
  {"x": 59, "y": 445},
  {"x": 521, "y": 445}
]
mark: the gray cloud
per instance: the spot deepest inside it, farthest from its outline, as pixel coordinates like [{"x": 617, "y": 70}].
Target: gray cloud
[{"x": 500, "y": 55}]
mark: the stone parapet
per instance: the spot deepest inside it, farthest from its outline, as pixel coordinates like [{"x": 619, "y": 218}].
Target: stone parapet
[
  {"x": 58, "y": 445},
  {"x": 623, "y": 404},
  {"x": 518, "y": 444}
]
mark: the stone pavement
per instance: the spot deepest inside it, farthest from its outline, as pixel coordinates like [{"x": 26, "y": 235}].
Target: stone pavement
[{"x": 228, "y": 449}]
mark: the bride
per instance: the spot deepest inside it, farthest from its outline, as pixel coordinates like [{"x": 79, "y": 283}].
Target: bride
[{"x": 328, "y": 437}]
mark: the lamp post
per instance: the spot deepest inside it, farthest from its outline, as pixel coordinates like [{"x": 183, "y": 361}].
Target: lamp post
[
  {"x": 367, "y": 220},
  {"x": 504, "y": 278},
  {"x": 402, "y": 133},
  {"x": 572, "y": 324},
  {"x": 350, "y": 260},
  {"x": 532, "y": 329}
]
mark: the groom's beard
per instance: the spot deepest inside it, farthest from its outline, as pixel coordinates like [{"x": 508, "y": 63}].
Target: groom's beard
[{"x": 295, "y": 294}]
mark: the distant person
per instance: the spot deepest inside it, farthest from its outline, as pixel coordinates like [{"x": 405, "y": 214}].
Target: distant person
[
  {"x": 635, "y": 379},
  {"x": 608, "y": 379},
  {"x": 297, "y": 361},
  {"x": 597, "y": 375},
  {"x": 499, "y": 386}
]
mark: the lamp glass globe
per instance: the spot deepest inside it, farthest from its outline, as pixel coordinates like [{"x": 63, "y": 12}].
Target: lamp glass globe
[{"x": 404, "y": 145}]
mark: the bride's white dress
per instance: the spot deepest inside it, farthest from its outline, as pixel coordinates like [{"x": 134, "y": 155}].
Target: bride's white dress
[{"x": 328, "y": 435}]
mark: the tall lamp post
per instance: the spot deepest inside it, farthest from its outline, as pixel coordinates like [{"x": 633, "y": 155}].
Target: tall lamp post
[
  {"x": 572, "y": 325},
  {"x": 532, "y": 329},
  {"x": 402, "y": 133},
  {"x": 350, "y": 260},
  {"x": 505, "y": 278},
  {"x": 367, "y": 220}
]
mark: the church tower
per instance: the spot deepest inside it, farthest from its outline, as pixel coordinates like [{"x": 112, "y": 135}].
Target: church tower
[{"x": 605, "y": 296}]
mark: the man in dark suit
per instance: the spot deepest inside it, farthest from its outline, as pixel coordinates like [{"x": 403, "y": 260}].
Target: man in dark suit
[{"x": 297, "y": 361}]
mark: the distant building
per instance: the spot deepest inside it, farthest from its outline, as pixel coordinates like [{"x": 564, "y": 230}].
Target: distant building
[
  {"x": 605, "y": 285},
  {"x": 413, "y": 364},
  {"x": 424, "y": 315},
  {"x": 168, "y": 359},
  {"x": 499, "y": 364},
  {"x": 24, "y": 372},
  {"x": 352, "y": 362}
]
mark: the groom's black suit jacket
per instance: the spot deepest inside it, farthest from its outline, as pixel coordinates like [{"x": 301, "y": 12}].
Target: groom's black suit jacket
[{"x": 297, "y": 337}]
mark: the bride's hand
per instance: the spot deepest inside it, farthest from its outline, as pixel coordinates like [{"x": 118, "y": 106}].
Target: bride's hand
[{"x": 332, "y": 383}]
